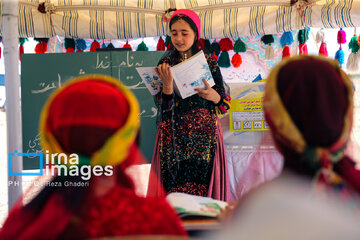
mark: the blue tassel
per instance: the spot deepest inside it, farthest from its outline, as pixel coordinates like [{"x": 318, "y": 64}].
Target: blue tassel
[
  {"x": 286, "y": 39},
  {"x": 80, "y": 44},
  {"x": 103, "y": 45},
  {"x": 340, "y": 56}
]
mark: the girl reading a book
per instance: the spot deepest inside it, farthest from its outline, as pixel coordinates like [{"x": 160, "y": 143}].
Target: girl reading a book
[
  {"x": 189, "y": 153},
  {"x": 96, "y": 117}
]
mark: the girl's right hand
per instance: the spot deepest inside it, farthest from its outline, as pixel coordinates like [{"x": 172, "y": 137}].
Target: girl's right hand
[{"x": 164, "y": 72}]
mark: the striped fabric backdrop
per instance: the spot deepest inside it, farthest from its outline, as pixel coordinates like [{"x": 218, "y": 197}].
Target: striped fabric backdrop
[{"x": 122, "y": 19}]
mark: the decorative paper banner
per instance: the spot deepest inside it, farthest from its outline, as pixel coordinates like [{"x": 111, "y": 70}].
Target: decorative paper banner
[
  {"x": 247, "y": 115},
  {"x": 120, "y": 19}
]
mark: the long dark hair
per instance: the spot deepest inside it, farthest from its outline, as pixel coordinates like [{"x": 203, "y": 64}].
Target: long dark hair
[{"x": 195, "y": 47}]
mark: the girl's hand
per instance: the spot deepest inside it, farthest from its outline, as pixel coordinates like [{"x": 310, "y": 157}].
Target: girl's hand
[
  {"x": 164, "y": 72},
  {"x": 209, "y": 93}
]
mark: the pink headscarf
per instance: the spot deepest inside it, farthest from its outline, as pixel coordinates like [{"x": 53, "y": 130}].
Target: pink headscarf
[{"x": 192, "y": 15}]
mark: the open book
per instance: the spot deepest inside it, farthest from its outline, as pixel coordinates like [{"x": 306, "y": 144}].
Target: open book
[
  {"x": 187, "y": 205},
  {"x": 188, "y": 75}
]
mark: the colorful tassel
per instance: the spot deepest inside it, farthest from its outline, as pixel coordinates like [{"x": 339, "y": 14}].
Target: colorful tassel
[
  {"x": 286, "y": 52},
  {"x": 41, "y": 47},
  {"x": 269, "y": 51},
  {"x": 236, "y": 60},
  {"x": 215, "y": 48},
  {"x": 94, "y": 45},
  {"x": 323, "y": 50},
  {"x": 160, "y": 45},
  {"x": 286, "y": 39},
  {"x": 303, "y": 50},
  {"x": 110, "y": 46},
  {"x": 224, "y": 59},
  {"x": 353, "y": 60},
  {"x": 80, "y": 45},
  {"x": 225, "y": 44},
  {"x": 21, "y": 47},
  {"x": 168, "y": 43},
  {"x": 239, "y": 46},
  {"x": 127, "y": 45},
  {"x": 340, "y": 56},
  {"x": 341, "y": 36},
  {"x": 70, "y": 45},
  {"x": 142, "y": 47}
]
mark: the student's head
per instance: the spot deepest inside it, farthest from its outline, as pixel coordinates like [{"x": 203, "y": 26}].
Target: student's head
[
  {"x": 185, "y": 30},
  {"x": 308, "y": 105},
  {"x": 94, "y": 116}
]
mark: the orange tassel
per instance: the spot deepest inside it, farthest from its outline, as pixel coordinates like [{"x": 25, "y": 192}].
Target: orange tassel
[
  {"x": 236, "y": 60},
  {"x": 286, "y": 52},
  {"x": 94, "y": 45}
]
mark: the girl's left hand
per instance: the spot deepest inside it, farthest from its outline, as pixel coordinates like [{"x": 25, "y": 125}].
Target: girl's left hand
[{"x": 209, "y": 93}]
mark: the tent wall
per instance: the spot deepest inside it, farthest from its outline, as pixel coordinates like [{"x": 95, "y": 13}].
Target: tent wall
[{"x": 120, "y": 19}]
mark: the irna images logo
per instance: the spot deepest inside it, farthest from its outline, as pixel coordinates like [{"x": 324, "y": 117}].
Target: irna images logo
[{"x": 60, "y": 164}]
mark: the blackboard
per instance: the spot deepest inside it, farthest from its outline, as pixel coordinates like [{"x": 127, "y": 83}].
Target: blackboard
[{"x": 41, "y": 74}]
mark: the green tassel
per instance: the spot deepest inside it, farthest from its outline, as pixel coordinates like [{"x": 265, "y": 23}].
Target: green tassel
[
  {"x": 22, "y": 41},
  {"x": 353, "y": 45},
  {"x": 239, "y": 46},
  {"x": 142, "y": 47},
  {"x": 69, "y": 43},
  {"x": 224, "y": 59},
  {"x": 267, "y": 39},
  {"x": 303, "y": 35},
  {"x": 167, "y": 40},
  {"x": 110, "y": 45},
  {"x": 215, "y": 48}
]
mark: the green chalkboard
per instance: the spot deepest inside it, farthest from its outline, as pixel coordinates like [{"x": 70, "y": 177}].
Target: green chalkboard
[{"x": 41, "y": 74}]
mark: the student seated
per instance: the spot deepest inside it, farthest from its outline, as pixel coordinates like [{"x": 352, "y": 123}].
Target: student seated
[{"x": 94, "y": 117}]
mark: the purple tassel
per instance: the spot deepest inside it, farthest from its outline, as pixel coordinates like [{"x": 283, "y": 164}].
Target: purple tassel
[{"x": 341, "y": 37}]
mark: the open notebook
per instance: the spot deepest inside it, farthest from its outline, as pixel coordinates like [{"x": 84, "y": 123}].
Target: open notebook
[{"x": 187, "y": 205}]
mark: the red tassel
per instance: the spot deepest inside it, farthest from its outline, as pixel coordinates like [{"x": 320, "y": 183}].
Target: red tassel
[
  {"x": 160, "y": 45},
  {"x": 303, "y": 49},
  {"x": 169, "y": 47},
  {"x": 70, "y": 50},
  {"x": 323, "y": 50},
  {"x": 236, "y": 60},
  {"x": 79, "y": 50},
  {"x": 214, "y": 56},
  {"x": 202, "y": 43},
  {"x": 127, "y": 45},
  {"x": 225, "y": 44},
  {"x": 94, "y": 45},
  {"x": 21, "y": 51},
  {"x": 39, "y": 48},
  {"x": 286, "y": 52}
]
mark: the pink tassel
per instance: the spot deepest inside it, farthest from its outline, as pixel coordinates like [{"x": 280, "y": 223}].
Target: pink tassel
[
  {"x": 323, "y": 50},
  {"x": 341, "y": 37},
  {"x": 303, "y": 49}
]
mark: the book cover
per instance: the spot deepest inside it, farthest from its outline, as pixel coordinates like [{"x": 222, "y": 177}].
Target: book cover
[
  {"x": 188, "y": 75},
  {"x": 150, "y": 79},
  {"x": 187, "y": 205}
]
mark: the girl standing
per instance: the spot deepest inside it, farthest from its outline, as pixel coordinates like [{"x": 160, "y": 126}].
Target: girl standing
[{"x": 189, "y": 151}]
